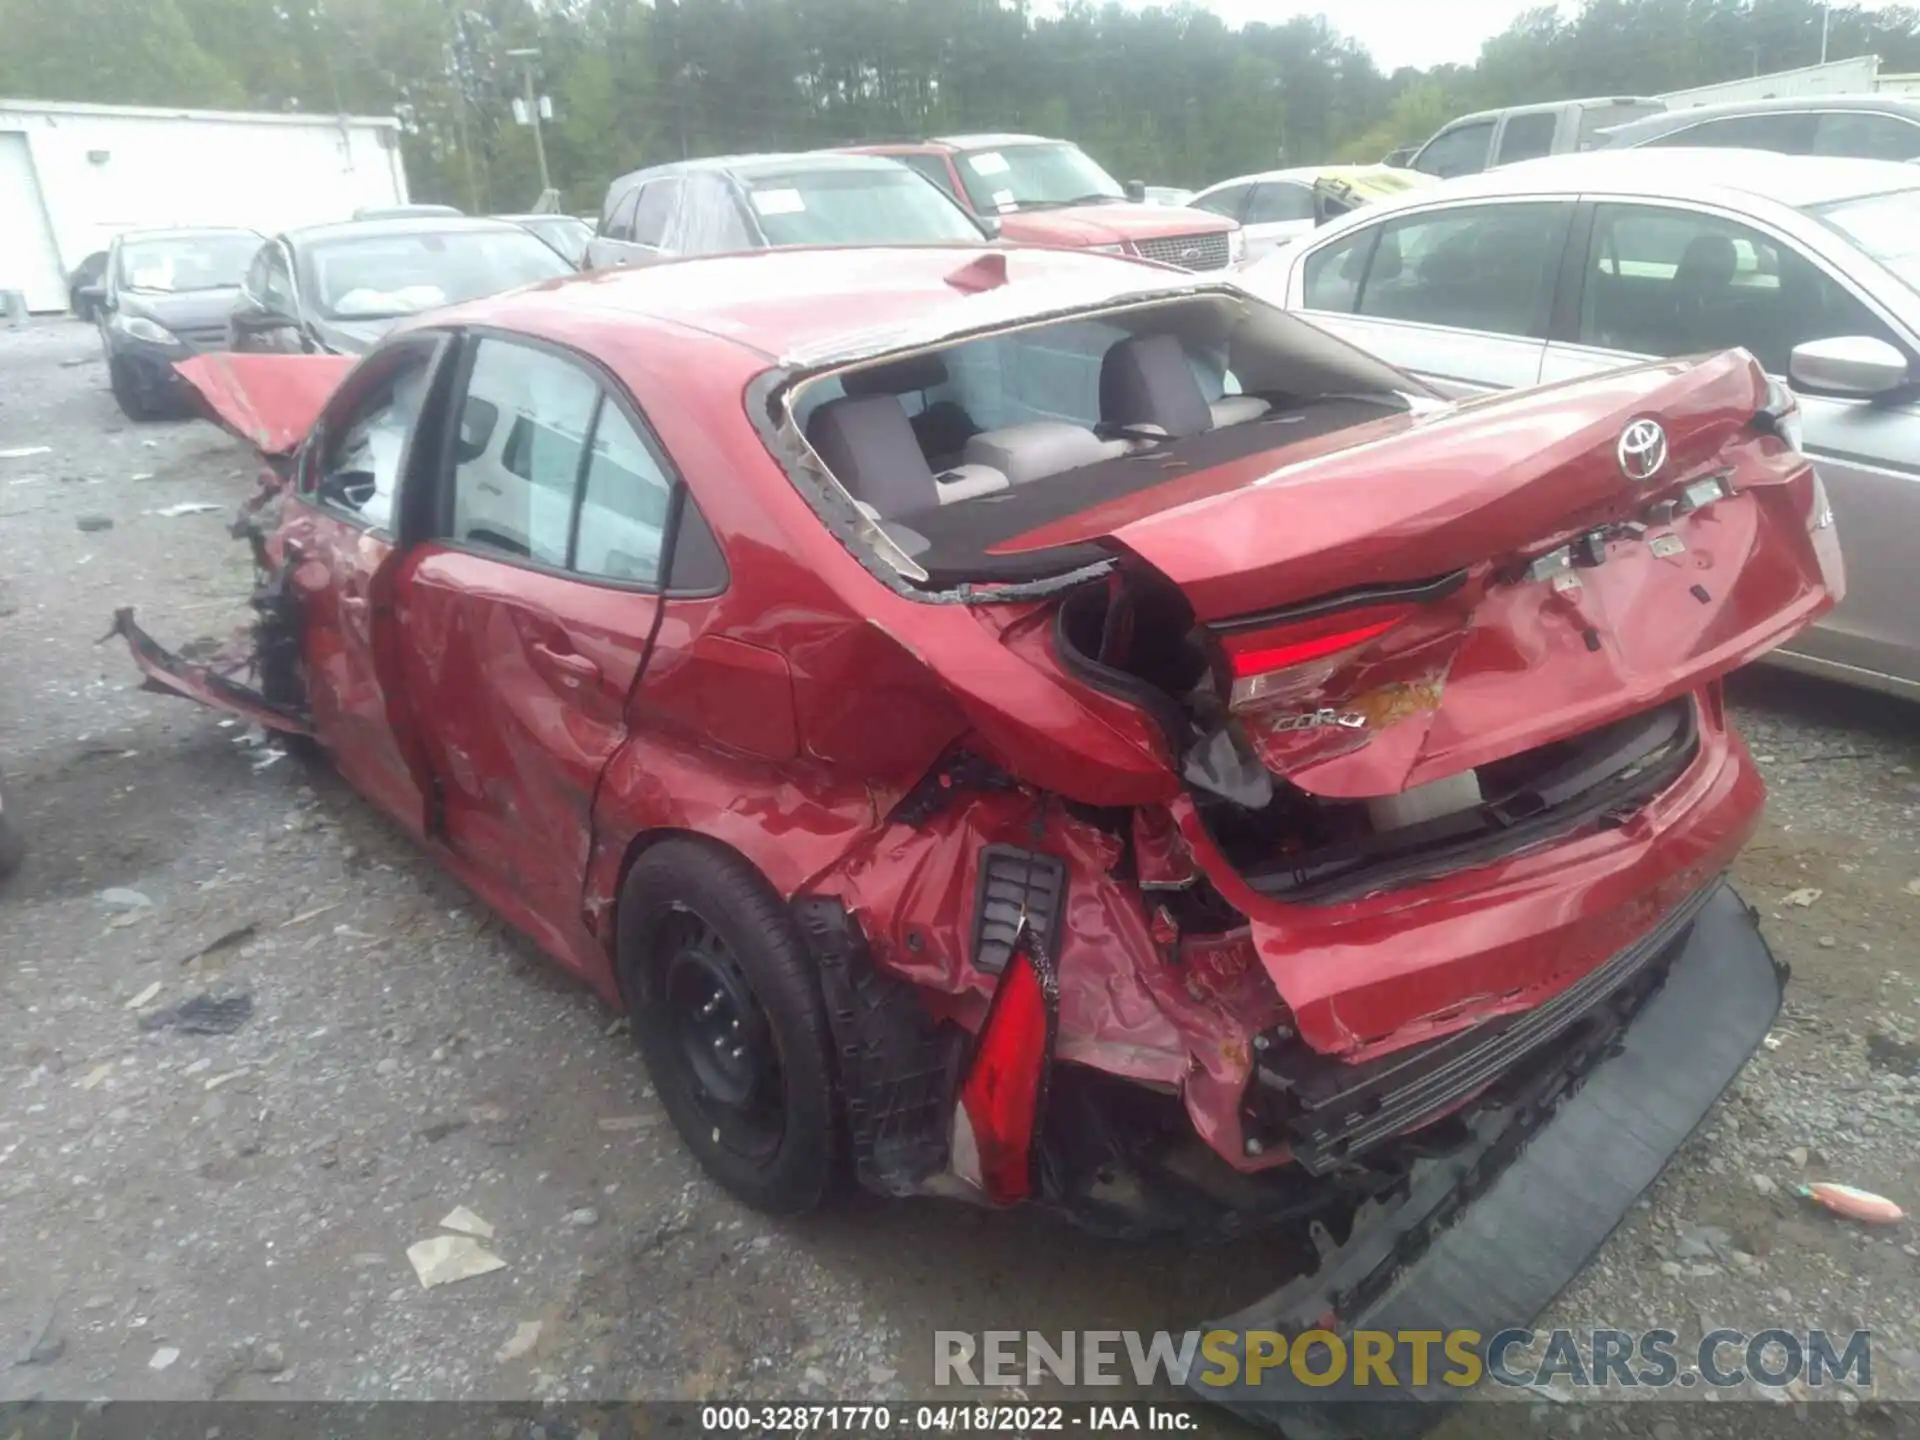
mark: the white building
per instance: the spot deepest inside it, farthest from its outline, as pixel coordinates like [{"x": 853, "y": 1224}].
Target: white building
[{"x": 74, "y": 176}]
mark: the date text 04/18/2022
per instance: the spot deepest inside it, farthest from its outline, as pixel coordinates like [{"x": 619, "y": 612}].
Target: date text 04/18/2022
[{"x": 943, "y": 1419}]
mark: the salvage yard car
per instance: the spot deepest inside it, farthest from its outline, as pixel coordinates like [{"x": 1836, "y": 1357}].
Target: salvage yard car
[
  {"x": 1279, "y": 206},
  {"x": 165, "y": 295},
  {"x": 729, "y": 203},
  {"x": 337, "y": 288},
  {"x": 1050, "y": 192},
  {"x": 1572, "y": 265},
  {"x": 1035, "y": 726}
]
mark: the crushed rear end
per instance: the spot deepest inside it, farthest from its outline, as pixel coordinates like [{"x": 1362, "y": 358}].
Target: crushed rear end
[{"x": 1422, "y": 921}]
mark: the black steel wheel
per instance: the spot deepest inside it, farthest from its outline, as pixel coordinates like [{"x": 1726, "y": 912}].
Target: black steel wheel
[{"x": 728, "y": 1017}]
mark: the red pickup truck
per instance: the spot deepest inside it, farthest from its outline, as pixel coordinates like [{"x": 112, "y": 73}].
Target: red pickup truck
[{"x": 1051, "y": 192}]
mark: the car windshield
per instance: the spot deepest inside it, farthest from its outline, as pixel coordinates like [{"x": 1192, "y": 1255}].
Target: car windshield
[
  {"x": 880, "y": 206},
  {"x": 1034, "y": 177},
  {"x": 179, "y": 263},
  {"x": 382, "y": 277},
  {"x": 1886, "y": 226}
]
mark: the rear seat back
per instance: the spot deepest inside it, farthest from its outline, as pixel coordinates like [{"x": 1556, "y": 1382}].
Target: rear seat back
[
  {"x": 869, "y": 445},
  {"x": 866, "y": 442}
]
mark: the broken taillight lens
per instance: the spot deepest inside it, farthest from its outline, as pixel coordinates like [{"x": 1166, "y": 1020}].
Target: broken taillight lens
[
  {"x": 997, "y": 1122},
  {"x": 1268, "y": 663}
]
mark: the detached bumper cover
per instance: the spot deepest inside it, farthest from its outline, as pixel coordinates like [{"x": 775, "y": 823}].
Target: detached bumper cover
[{"x": 1487, "y": 1238}]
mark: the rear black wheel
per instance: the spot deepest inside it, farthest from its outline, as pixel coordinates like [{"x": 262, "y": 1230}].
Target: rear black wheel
[{"x": 728, "y": 1016}]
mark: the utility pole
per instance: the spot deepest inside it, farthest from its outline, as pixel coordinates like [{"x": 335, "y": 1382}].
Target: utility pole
[
  {"x": 1826, "y": 15},
  {"x": 526, "y": 59}
]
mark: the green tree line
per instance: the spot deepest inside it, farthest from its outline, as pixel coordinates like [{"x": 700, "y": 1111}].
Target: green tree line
[{"x": 1168, "y": 95}]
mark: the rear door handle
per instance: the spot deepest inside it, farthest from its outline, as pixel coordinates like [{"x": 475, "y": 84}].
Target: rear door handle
[{"x": 571, "y": 670}]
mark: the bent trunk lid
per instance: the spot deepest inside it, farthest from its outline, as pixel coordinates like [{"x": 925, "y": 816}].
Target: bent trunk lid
[{"x": 1551, "y": 593}]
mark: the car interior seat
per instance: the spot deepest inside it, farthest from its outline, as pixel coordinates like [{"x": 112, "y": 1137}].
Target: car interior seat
[
  {"x": 1148, "y": 390},
  {"x": 869, "y": 445}
]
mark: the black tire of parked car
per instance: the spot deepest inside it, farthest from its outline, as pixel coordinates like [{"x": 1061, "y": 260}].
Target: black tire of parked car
[
  {"x": 13, "y": 845},
  {"x": 134, "y": 402},
  {"x": 727, "y": 1013}
]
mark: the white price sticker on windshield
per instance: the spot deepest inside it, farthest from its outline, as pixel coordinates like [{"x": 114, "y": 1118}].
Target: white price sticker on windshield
[
  {"x": 778, "y": 202},
  {"x": 1003, "y": 200},
  {"x": 988, "y": 162}
]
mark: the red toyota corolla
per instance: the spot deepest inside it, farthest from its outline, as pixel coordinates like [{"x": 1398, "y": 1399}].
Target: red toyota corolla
[{"x": 1047, "y": 727}]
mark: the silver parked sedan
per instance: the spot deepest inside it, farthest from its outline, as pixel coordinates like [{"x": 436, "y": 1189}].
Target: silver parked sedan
[{"x": 1564, "y": 266}]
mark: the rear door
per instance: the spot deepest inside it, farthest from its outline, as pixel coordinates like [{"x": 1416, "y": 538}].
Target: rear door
[
  {"x": 1527, "y": 136},
  {"x": 1459, "y": 294},
  {"x": 526, "y": 616},
  {"x": 1667, "y": 280},
  {"x": 1277, "y": 211}
]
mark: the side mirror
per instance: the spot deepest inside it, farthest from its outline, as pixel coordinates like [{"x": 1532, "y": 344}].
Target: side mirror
[
  {"x": 1136, "y": 190},
  {"x": 1848, "y": 365}
]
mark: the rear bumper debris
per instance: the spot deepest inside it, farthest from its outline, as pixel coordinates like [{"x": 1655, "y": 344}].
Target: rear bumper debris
[
  {"x": 1485, "y": 1237},
  {"x": 210, "y": 684}
]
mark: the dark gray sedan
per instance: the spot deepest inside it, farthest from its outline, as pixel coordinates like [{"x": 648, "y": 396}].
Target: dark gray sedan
[{"x": 336, "y": 289}]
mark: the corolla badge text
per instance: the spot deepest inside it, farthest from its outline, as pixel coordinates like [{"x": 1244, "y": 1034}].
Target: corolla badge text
[{"x": 1323, "y": 719}]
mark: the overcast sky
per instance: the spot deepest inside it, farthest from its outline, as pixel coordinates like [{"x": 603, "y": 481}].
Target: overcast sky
[{"x": 1398, "y": 32}]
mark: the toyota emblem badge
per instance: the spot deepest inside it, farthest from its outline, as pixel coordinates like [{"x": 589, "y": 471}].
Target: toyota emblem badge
[{"x": 1642, "y": 450}]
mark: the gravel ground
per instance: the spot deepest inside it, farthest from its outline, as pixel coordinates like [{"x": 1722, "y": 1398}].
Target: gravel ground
[{"x": 192, "y": 1215}]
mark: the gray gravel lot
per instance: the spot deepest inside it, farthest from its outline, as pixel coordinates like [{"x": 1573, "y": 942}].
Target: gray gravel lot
[{"x": 191, "y": 1215}]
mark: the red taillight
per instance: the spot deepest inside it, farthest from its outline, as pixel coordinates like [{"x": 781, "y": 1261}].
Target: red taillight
[
  {"x": 1262, "y": 655},
  {"x": 997, "y": 1122},
  {"x": 1253, "y": 653}
]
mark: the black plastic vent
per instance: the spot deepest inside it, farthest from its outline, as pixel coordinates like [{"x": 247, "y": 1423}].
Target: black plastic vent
[
  {"x": 897, "y": 1067},
  {"x": 1015, "y": 882}
]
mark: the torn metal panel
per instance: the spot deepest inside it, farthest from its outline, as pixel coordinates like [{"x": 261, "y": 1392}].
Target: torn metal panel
[
  {"x": 270, "y": 401},
  {"x": 210, "y": 683}
]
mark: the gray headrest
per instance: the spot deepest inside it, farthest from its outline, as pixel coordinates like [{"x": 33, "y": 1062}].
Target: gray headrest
[
  {"x": 1147, "y": 381},
  {"x": 898, "y": 377},
  {"x": 1708, "y": 263},
  {"x": 867, "y": 442}
]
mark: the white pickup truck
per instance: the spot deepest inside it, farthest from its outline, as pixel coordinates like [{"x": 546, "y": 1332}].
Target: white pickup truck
[{"x": 1523, "y": 132}]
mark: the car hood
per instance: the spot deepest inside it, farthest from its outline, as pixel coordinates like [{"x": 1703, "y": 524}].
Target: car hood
[
  {"x": 185, "y": 310},
  {"x": 1084, "y": 225}
]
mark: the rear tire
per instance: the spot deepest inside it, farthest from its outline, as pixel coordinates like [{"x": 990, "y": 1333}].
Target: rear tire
[
  {"x": 132, "y": 400},
  {"x": 727, "y": 1013}
]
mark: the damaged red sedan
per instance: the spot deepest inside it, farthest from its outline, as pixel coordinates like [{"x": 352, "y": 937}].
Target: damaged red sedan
[{"x": 1041, "y": 726}]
